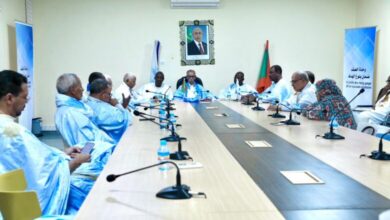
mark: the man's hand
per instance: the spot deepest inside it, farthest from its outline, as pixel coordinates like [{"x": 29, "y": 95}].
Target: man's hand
[
  {"x": 71, "y": 150},
  {"x": 113, "y": 102},
  {"x": 126, "y": 101},
  {"x": 78, "y": 159}
]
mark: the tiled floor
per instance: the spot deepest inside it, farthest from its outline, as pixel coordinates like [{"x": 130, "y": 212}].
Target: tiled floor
[{"x": 52, "y": 138}]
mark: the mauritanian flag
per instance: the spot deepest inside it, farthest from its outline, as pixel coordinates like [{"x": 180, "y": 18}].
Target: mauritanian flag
[{"x": 263, "y": 82}]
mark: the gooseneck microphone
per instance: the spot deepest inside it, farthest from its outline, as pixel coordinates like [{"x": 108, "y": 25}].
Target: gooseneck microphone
[
  {"x": 277, "y": 114},
  {"x": 257, "y": 107},
  {"x": 331, "y": 135},
  {"x": 380, "y": 154},
  {"x": 179, "y": 191},
  {"x": 290, "y": 121},
  {"x": 173, "y": 137},
  {"x": 179, "y": 154}
]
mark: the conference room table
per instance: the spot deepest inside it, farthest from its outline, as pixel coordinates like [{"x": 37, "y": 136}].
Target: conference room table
[{"x": 243, "y": 182}]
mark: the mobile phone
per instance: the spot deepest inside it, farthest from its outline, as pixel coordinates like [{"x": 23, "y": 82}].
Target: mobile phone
[{"x": 88, "y": 147}]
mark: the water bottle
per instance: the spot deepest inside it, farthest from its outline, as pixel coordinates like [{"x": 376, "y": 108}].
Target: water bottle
[
  {"x": 162, "y": 115},
  {"x": 172, "y": 119},
  {"x": 334, "y": 123},
  {"x": 163, "y": 155}
]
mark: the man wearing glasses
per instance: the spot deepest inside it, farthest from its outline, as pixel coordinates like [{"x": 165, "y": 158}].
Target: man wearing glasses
[
  {"x": 304, "y": 93},
  {"x": 109, "y": 115},
  {"x": 190, "y": 91}
]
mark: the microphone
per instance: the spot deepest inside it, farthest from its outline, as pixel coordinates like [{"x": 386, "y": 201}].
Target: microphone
[
  {"x": 380, "y": 154},
  {"x": 179, "y": 191},
  {"x": 179, "y": 154},
  {"x": 257, "y": 107},
  {"x": 159, "y": 93},
  {"x": 331, "y": 135},
  {"x": 290, "y": 121},
  {"x": 277, "y": 114}
]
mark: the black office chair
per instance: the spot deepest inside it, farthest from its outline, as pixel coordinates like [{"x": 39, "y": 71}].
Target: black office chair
[{"x": 180, "y": 81}]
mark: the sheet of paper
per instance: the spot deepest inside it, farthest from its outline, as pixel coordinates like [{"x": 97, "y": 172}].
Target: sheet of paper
[
  {"x": 260, "y": 143},
  {"x": 235, "y": 126},
  {"x": 301, "y": 177}
]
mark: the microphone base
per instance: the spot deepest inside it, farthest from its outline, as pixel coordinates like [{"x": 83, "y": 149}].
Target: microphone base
[
  {"x": 333, "y": 136},
  {"x": 258, "y": 108},
  {"x": 376, "y": 155},
  {"x": 175, "y": 192},
  {"x": 277, "y": 115},
  {"x": 179, "y": 155},
  {"x": 172, "y": 138},
  {"x": 290, "y": 122}
]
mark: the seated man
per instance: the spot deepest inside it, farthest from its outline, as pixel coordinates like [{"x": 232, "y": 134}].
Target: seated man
[
  {"x": 47, "y": 169},
  {"x": 125, "y": 93},
  {"x": 376, "y": 116},
  {"x": 109, "y": 115},
  {"x": 157, "y": 89},
  {"x": 238, "y": 90},
  {"x": 191, "y": 91},
  {"x": 279, "y": 89},
  {"x": 305, "y": 93},
  {"x": 73, "y": 117}
]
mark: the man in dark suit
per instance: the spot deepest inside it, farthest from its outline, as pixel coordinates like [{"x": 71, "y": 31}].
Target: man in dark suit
[{"x": 197, "y": 46}]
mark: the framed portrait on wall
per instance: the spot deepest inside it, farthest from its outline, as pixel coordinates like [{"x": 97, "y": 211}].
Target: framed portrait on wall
[{"x": 197, "y": 42}]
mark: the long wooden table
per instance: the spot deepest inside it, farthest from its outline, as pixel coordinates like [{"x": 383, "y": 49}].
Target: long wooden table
[{"x": 231, "y": 192}]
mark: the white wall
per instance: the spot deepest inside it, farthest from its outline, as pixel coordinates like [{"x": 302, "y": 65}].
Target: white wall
[
  {"x": 10, "y": 10},
  {"x": 115, "y": 37},
  {"x": 377, "y": 13}
]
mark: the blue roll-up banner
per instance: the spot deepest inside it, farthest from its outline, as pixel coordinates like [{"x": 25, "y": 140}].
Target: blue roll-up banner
[
  {"x": 359, "y": 51},
  {"x": 25, "y": 59}
]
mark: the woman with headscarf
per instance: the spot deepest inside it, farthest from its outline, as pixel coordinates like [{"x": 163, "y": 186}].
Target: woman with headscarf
[{"x": 330, "y": 102}]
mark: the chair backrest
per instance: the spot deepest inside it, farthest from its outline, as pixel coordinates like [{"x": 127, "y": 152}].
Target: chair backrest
[
  {"x": 13, "y": 181},
  {"x": 17, "y": 205},
  {"x": 369, "y": 130}
]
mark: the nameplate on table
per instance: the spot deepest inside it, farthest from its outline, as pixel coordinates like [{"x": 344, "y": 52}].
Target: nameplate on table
[
  {"x": 221, "y": 115},
  {"x": 211, "y": 107},
  {"x": 301, "y": 177},
  {"x": 260, "y": 143},
  {"x": 235, "y": 126}
]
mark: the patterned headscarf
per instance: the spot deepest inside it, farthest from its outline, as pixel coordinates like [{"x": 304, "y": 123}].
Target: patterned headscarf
[{"x": 330, "y": 102}]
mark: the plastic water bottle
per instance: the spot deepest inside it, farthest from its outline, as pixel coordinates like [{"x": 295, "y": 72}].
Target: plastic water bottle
[
  {"x": 172, "y": 119},
  {"x": 334, "y": 123},
  {"x": 163, "y": 155},
  {"x": 162, "y": 115}
]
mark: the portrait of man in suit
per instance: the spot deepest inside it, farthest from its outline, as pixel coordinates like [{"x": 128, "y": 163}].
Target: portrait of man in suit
[{"x": 197, "y": 46}]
